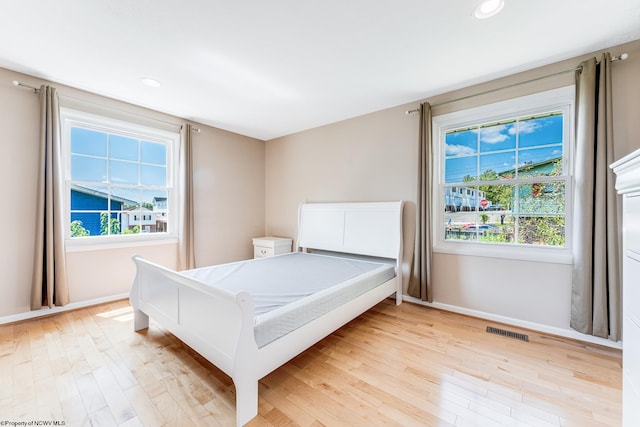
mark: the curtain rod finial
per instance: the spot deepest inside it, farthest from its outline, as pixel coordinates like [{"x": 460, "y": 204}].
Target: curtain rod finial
[{"x": 621, "y": 57}]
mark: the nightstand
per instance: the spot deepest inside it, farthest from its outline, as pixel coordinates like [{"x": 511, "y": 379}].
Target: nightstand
[{"x": 270, "y": 246}]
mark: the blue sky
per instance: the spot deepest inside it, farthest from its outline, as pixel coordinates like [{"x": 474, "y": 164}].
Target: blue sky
[
  {"x": 99, "y": 157},
  {"x": 499, "y": 147}
]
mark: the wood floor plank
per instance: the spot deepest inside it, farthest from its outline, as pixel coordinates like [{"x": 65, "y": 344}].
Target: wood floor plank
[
  {"x": 145, "y": 409},
  {"x": 392, "y": 366}
]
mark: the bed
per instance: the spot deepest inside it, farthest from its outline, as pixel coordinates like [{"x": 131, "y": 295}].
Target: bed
[{"x": 257, "y": 338}]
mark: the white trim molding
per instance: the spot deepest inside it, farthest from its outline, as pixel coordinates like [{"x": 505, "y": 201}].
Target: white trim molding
[
  {"x": 538, "y": 327},
  {"x": 12, "y": 318}
]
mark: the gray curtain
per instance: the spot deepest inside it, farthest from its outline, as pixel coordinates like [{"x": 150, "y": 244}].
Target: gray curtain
[
  {"x": 595, "y": 296},
  {"x": 420, "y": 283},
  {"x": 49, "y": 282},
  {"x": 186, "y": 256}
]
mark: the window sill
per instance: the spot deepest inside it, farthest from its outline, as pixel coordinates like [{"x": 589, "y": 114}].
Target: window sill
[
  {"x": 117, "y": 242},
  {"x": 533, "y": 254}
]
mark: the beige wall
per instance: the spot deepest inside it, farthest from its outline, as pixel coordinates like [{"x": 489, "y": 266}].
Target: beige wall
[
  {"x": 373, "y": 157},
  {"x": 229, "y": 201},
  {"x": 368, "y": 158}
]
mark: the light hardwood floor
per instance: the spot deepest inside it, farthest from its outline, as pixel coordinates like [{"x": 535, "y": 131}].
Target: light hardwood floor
[{"x": 404, "y": 365}]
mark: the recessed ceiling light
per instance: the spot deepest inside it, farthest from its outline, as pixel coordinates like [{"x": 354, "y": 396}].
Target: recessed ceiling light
[
  {"x": 488, "y": 8},
  {"x": 150, "y": 82}
]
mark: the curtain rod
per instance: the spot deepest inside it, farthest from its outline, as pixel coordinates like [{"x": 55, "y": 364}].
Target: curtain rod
[
  {"x": 17, "y": 83},
  {"x": 417, "y": 110}
]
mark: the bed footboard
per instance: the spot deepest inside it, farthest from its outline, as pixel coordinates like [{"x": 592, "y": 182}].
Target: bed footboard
[{"x": 214, "y": 322}]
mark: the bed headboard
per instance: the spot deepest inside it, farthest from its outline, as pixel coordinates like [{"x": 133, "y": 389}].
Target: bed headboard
[{"x": 373, "y": 229}]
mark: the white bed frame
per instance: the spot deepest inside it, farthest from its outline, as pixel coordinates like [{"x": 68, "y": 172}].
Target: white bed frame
[{"x": 219, "y": 324}]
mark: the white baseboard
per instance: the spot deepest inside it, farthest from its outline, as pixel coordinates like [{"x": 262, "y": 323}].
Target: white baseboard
[
  {"x": 566, "y": 333},
  {"x": 46, "y": 311}
]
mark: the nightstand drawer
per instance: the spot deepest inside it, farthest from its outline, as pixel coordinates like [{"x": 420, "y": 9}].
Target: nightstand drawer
[
  {"x": 261, "y": 252},
  {"x": 270, "y": 246}
]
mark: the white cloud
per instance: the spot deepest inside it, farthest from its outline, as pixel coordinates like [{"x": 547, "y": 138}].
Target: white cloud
[
  {"x": 496, "y": 134},
  {"x": 529, "y": 126},
  {"x": 459, "y": 150}
]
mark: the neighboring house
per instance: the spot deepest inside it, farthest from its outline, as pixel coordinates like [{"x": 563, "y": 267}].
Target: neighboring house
[
  {"x": 142, "y": 217},
  {"x": 462, "y": 198},
  {"x": 540, "y": 198},
  {"x": 159, "y": 204},
  {"x": 160, "y": 210},
  {"x": 87, "y": 203},
  {"x": 529, "y": 169}
]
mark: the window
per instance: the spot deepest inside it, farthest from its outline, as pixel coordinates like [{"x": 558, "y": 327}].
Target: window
[
  {"x": 503, "y": 174},
  {"x": 116, "y": 172}
]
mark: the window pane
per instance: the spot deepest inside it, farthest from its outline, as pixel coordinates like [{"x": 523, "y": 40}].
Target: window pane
[
  {"x": 89, "y": 142},
  {"x": 540, "y": 162},
  {"x": 123, "y": 199},
  {"x": 497, "y": 137},
  {"x": 497, "y": 166},
  {"x": 80, "y": 225},
  {"x": 153, "y": 175},
  {"x": 540, "y": 131},
  {"x": 123, "y": 148},
  {"x": 541, "y": 230},
  {"x": 123, "y": 172},
  {"x": 461, "y": 143},
  {"x": 89, "y": 198},
  {"x": 542, "y": 198},
  {"x": 461, "y": 169},
  {"x": 157, "y": 217},
  {"x": 88, "y": 169},
  {"x": 454, "y": 226},
  {"x": 496, "y": 229},
  {"x": 153, "y": 153},
  {"x": 499, "y": 198},
  {"x": 452, "y": 199},
  {"x": 110, "y": 223},
  {"x": 86, "y": 204}
]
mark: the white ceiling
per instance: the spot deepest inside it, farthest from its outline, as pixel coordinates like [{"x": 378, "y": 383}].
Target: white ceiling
[{"x": 270, "y": 68}]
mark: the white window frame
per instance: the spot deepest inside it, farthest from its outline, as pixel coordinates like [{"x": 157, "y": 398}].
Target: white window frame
[
  {"x": 552, "y": 100},
  {"x": 69, "y": 118}
]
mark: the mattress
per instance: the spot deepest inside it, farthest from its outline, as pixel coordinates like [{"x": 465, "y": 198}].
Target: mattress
[{"x": 293, "y": 289}]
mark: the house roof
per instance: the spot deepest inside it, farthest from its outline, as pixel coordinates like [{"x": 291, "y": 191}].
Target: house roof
[
  {"x": 531, "y": 165},
  {"x": 97, "y": 191},
  {"x": 272, "y": 68},
  {"x": 137, "y": 209}
]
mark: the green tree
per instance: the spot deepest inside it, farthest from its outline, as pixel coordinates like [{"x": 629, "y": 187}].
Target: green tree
[
  {"x": 498, "y": 194},
  {"x": 134, "y": 230},
  {"x": 108, "y": 225},
  {"x": 548, "y": 199},
  {"x": 542, "y": 230},
  {"x": 77, "y": 229}
]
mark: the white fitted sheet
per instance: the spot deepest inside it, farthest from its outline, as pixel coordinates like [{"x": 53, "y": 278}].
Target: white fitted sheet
[{"x": 293, "y": 289}]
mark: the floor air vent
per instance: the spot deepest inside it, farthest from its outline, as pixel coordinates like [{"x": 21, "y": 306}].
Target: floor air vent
[{"x": 508, "y": 334}]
